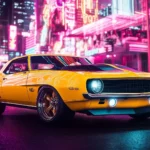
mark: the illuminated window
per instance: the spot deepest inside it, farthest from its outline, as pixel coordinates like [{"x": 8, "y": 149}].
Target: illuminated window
[
  {"x": 16, "y": 4},
  {"x": 20, "y": 21}
]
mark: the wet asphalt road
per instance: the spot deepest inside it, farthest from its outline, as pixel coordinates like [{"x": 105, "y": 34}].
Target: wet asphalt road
[{"x": 21, "y": 129}]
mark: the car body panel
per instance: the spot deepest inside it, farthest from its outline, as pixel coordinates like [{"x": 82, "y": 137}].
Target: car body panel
[
  {"x": 23, "y": 87},
  {"x": 62, "y": 81},
  {"x": 14, "y": 87},
  {"x": 121, "y": 104}
]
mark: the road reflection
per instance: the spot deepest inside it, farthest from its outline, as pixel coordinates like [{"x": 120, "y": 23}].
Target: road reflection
[{"x": 21, "y": 129}]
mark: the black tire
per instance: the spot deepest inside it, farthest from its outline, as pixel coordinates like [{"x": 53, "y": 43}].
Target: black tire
[
  {"x": 140, "y": 116},
  {"x": 2, "y": 108},
  {"x": 51, "y": 107}
]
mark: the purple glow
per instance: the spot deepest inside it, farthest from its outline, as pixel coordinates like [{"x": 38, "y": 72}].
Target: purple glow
[{"x": 12, "y": 37}]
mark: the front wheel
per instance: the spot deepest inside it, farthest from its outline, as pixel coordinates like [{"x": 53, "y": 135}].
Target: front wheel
[
  {"x": 2, "y": 108},
  {"x": 50, "y": 106}
]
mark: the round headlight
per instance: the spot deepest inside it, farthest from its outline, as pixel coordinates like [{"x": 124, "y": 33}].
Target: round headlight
[{"x": 95, "y": 86}]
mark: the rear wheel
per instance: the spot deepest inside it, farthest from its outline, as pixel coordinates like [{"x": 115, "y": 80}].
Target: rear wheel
[
  {"x": 2, "y": 108},
  {"x": 50, "y": 106},
  {"x": 140, "y": 116}
]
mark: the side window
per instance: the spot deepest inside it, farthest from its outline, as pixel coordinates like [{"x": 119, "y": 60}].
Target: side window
[
  {"x": 18, "y": 65},
  {"x": 41, "y": 63}
]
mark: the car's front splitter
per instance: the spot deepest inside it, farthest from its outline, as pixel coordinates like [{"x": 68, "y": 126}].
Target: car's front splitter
[{"x": 115, "y": 111}]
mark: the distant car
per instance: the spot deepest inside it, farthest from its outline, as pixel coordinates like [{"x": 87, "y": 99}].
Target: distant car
[{"x": 59, "y": 86}]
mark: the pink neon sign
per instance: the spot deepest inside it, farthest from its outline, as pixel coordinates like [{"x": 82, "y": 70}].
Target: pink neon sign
[
  {"x": 70, "y": 13},
  {"x": 109, "y": 23},
  {"x": 4, "y": 58},
  {"x": 12, "y": 44}
]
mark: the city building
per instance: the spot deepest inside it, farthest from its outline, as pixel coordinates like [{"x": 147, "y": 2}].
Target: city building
[
  {"x": 110, "y": 31},
  {"x": 4, "y": 12},
  {"x": 4, "y": 21},
  {"x": 16, "y": 17},
  {"x": 22, "y": 11},
  {"x": 116, "y": 34}
]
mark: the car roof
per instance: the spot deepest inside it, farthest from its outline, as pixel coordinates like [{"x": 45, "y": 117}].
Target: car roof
[
  {"x": 47, "y": 55},
  {"x": 38, "y": 55},
  {"x": 53, "y": 55}
]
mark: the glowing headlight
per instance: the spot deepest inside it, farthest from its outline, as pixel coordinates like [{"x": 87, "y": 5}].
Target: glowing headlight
[{"x": 95, "y": 86}]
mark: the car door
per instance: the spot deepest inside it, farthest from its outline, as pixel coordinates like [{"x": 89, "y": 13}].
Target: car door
[{"x": 15, "y": 75}]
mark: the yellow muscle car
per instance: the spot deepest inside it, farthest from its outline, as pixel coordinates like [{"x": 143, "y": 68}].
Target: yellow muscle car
[{"x": 59, "y": 86}]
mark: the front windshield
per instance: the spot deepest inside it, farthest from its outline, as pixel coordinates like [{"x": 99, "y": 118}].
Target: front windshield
[
  {"x": 105, "y": 67},
  {"x": 56, "y": 62}
]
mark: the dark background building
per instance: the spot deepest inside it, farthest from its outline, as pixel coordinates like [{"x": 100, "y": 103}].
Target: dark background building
[
  {"x": 4, "y": 11},
  {"x": 18, "y": 13},
  {"x": 21, "y": 13}
]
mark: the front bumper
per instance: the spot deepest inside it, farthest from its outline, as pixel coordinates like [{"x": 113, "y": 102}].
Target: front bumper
[
  {"x": 124, "y": 102},
  {"x": 116, "y": 95}
]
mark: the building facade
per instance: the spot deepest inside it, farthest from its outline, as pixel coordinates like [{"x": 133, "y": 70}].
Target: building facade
[
  {"x": 15, "y": 22},
  {"x": 22, "y": 12},
  {"x": 110, "y": 31}
]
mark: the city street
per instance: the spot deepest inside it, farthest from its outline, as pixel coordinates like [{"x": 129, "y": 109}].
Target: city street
[
  {"x": 91, "y": 56},
  {"x": 21, "y": 129}
]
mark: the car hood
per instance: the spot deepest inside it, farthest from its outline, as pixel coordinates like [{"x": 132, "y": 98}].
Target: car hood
[
  {"x": 123, "y": 74},
  {"x": 91, "y": 71}
]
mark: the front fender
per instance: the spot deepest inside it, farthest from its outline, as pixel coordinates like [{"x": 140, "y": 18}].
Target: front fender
[{"x": 71, "y": 87}]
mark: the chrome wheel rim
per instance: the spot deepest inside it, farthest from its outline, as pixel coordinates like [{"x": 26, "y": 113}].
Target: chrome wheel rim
[{"x": 50, "y": 105}]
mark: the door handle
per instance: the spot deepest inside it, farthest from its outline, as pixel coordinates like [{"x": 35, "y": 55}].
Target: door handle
[{"x": 4, "y": 78}]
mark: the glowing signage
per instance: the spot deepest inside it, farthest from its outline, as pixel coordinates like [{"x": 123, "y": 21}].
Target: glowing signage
[
  {"x": 25, "y": 34},
  {"x": 31, "y": 50},
  {"x": 69, "y": 44},
  {"x": 123, "y": 7},
  {"x": 12, "y": 45},
  {"x": 98, "y": 51},
  {"x": 138, "y": 47},
  {"x": 46, "y": 14},
  {"x": 89, "y": 10},
  {"x": 3, "y": 58},
  {"x": 69, "y": 7}
]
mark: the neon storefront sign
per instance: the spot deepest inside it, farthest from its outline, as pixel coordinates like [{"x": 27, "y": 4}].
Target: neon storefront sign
[
  {"x": 70, "y": 13},
  {"x": 12, "y": 45},
  {"x": 97, "y": 51},
  {"x": 89, "y": 5}
]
